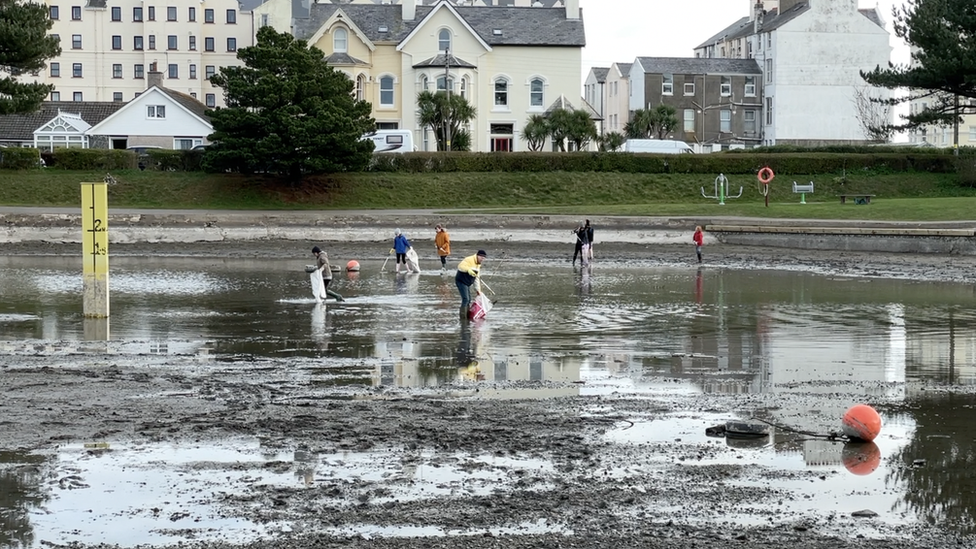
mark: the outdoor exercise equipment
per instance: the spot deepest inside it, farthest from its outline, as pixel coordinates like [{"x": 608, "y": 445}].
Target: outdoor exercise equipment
[
  {"x": 803, "y": 190},
  {"x": 722, "y": 190}
]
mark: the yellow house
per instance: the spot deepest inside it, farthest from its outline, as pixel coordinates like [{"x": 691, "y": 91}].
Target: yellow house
[{"x": 509, "y": 62}]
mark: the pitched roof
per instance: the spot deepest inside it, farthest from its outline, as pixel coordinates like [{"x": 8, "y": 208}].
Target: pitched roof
[
  {"x": 440, "y": 60},
  {"x": 21, "y": 127},
  {"x": 600, "y": 73},
  {"x": 562, "y": 103},
  {"x": 873, "y": 15},
  {"x": 516, "y": 26},
  {"x": 772, "y": 20},
  {"x": 188, "y": 102},
  {"x": 624, "y": 69},
  {"x": 341, "y": 58},
  {"x": 727, "y": 32},
  {"x": 698, "y": 65}
]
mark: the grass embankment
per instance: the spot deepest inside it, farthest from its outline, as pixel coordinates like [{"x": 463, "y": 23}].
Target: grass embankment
[{"x": 898, "y": 196}]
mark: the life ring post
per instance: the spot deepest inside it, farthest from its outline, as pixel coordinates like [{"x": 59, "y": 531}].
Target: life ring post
[{"x": 765, "y": 177}]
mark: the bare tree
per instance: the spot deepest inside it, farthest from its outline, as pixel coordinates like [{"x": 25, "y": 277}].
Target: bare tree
[{"x": 873, "y": 113}]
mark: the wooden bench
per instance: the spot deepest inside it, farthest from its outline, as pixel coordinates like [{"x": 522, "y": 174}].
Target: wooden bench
[{"x": 857, "y": 198}]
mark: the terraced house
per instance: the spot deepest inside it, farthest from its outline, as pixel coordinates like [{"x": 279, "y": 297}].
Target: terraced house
[
  {"x": 108, "y": 47},
  {"x": 811, "y": 53},
  {"x": 509, "y": 61}
]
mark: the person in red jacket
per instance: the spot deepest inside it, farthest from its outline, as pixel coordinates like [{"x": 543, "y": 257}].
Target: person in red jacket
[{"x": 699, "y": 239}]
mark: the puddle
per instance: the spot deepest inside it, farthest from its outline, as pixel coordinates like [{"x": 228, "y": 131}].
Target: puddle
[
  {"x": 156, "y": 494},
  {"x": 618, "y": 330}
]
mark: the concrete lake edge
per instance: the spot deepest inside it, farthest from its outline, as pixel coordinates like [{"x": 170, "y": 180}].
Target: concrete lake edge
[{"x": 63, "y": 225}]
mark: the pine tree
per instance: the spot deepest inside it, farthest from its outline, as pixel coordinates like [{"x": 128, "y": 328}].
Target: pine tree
[
  {"x": 24, "y": 47},
  {"x": 942, "y": 34},
  {"x": 287, "y": 113}
]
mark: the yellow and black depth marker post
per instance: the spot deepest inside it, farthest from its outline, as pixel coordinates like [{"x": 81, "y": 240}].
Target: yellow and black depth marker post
[{"x": 94, "y": 237}]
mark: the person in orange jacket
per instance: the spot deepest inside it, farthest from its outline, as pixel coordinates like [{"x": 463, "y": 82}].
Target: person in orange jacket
[{"x": 442, "y": 241}]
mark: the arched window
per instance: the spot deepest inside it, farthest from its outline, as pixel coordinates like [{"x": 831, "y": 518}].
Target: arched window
[
  {"x": 424, "y": 83},
  {"x": 501, "y": 92},
  {"x": 386, "y": 91},
  {"x": 340, "y": 41},
  {"x": 442, "y": 87},
  {"x": 464, "y": 87},
  {"x": 536, "y": 94},
  {"x": 444, "y": 40},
  {"x": 361, "y": 87}
]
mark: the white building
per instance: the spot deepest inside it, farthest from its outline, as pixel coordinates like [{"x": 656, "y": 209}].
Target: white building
[
  {"x": 595, "y": 93},
  {"x": 617, "y": 104},
  {"x": 509, "y": 61},
  {"x": 109, "y": 46},
  {"x": 811, "y": 53}
]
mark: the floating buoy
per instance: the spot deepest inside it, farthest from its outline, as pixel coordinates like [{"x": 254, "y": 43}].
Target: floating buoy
[
  {"x": 352, "y": 266},
  {"x": 862, "y": 421},
  {"x": 861, "y": 458}
]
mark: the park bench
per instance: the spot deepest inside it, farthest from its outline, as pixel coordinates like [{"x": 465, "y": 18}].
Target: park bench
[
  {"x": 857, "y": 198},
  {"x": 803, "y": 190}
]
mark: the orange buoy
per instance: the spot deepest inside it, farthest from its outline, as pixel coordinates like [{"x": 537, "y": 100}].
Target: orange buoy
[
  {"x": 862, "y": 421},
  {"x": 861, "y": 458},
  {"x": 352, "y": 266}
]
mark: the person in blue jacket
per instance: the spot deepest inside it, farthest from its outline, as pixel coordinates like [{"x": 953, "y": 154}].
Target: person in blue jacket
[{"x": 400, "y": 246}]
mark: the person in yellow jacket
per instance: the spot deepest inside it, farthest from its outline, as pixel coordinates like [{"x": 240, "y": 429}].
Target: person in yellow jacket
[
  {"x": 443, "y": 242},
  {"x": 468, "y": 273}
]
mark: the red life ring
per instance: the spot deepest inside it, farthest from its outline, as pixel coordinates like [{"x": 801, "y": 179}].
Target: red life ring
[{"x": 766, "y": 175}]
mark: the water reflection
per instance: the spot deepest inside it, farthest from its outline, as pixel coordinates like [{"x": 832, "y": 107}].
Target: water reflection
[
  {"x": 936, "y": 464},
  {"x": 764, "y": 330},
  {"x": 22, "y": 477}
]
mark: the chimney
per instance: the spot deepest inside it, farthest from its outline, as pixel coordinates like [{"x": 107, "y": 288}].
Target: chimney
[
  {"x": 757, "y": 16},
  {"x": 409, "y": 9},
  {"x": 572, "y": 9},
  {"x": 154, "y": 78}
]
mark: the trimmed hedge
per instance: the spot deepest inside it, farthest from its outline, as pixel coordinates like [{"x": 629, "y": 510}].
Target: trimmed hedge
[
  {"x": 932, "y": 160},
  {"x": 19, "y": 158},
  {"x": 739, "y": 163},
  {"x": 90, "y": 159},
  {"x": 173, "y": 160}
]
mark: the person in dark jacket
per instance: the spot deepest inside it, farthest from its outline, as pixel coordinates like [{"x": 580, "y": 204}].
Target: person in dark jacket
[
  {"x": 582, "y": 238},
  {"x": 400, "y": 246},
  {"x": 589, "y": 237}
]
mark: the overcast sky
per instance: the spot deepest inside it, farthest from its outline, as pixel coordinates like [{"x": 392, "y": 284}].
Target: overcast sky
[{"x": 621, "y": 30}]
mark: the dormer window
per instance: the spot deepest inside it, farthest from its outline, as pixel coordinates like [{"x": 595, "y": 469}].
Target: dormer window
[
  {"x": 444, "y": 40},
  {"x": 340, "y": 41}
]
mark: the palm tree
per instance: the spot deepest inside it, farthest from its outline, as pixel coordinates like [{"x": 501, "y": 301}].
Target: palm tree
[
  {"x": 446, "y": 115},
  {"x": 582, "y": 129},
  {"x": 641, "y": 125},
  {"x": 574, "y": 126},
  {"x": 535, "y": 132},
  {"x": 611, "y": 141},
  {"x": 665, "y": 120}
]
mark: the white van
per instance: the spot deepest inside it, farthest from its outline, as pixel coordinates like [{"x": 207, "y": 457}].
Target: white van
[
  {"x": 658, "y": 146},
  {"x": 391, "y": 141}
]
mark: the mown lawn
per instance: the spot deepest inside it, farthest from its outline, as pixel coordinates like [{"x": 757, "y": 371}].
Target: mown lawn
[{"x": 898, "y": 196}]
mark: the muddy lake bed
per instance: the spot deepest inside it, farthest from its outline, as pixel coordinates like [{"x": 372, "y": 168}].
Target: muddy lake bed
[{"x": 221, "y": 406}]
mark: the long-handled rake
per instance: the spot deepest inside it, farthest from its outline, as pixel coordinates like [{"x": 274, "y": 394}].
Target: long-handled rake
[{"x": 387, "y": 259}]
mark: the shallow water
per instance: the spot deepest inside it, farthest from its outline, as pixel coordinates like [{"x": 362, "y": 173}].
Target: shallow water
[{"x": 614, "y": 328}]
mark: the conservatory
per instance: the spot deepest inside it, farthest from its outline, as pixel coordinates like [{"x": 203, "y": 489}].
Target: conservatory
[{"x": 66, "y": 130}]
